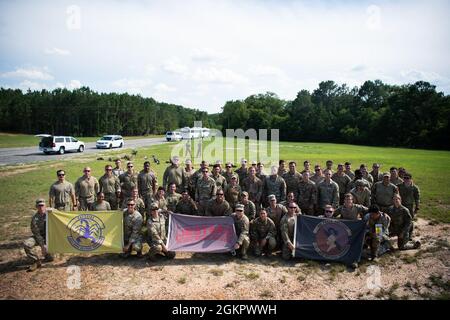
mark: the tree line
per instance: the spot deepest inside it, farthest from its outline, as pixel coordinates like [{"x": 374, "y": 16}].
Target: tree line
[{"x": 412, "y": 115}]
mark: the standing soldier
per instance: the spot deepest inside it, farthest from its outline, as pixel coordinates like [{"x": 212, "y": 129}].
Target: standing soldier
[
  {"x": 249, "y": 206},
  {"x": 274, "y": 184},
  {"x": 292, "y": 179},
  {"x": 117, "y": 171},
  {"x": 147, "y": 183},
  {"x": 175, "y": 174},
  {"x": 86, "y": 188},
  {"x": 359, "y": 177},
  {"x": 172, "y": 197},
  {"x": 276, "y": 211},
  {"x": 254, "y": 187},
  {"x": 401, "y": 224},
  {"x": 110, "y": 187},
  {"x": 160, "y": 198},
  {"x": 189, "y": 173},
  {"x": 350, "y": 210},
  {"x": 132, "y": 224},
  {"x": 61, "y": 192},
  {"x": 199, "y": 174},
  {"x": 139, "y": 204},
  {"x": 375, "y": 173},
  {"x": 228, "y": 174},
  {"x": 101, "y": 204},
  {"x": 38, "y": 228},
  {"x": 242, "y": 172},
  {"x": 307, "y": 195},
  {"x": 329, "y": 166},
  {"x": 186, "y": 205},
  {"x": 281, "y": 168},
  {"x": 377, "y": 236},
  {"x": 157, "y": 234},
  {"x": 287, "y": 228},
  {"x": 343, "y": 181},
  {"x": 219, "y": 206},
  {"x": 233, "y": 192},
  {"x": 220, "y": 180},
  {"x": 395, "y": 179},
  {"x": 260, "y": 172},
  {"x": 410, "y": 194},
  {"x": 348, "y": 170},
  {"x": 128, "y": 181},
  {"x": 241, "y": 225},
  {"x": 306, "y": 166},
  {"x": 263, "y": 234},
  {"x": 204, "y": 191},
  {"x": 327, "y": 192},
  {"x": 383, "y": 192},
  {"x": 361, "y": 194},
  {"x": 318, "y": 176},
  {"x": 366, "y": 175}
]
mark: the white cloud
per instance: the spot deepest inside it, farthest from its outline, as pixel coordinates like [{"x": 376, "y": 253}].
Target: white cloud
[
  {"x": 174, "y": 66},
  {"x": 133, "y": 86},
  {"x": 30, "y": 73},
  {"x": 32, "y": 85},
  {"x": 208, "y": 55},
  {"x": 266, "y": 70},
  {"x": 57, "y": 51},
  {"x": 162, "y": 87},
  {"x": 218, "y": 76},
  {"x": 71, "y": 85}
]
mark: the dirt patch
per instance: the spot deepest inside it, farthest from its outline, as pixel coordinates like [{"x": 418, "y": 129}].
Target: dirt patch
[
  {"x": 19, "y": 169},
  {"x": 415, "y": 274}
]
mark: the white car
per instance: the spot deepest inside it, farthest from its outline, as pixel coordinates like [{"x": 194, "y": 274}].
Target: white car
[
  {"x": 173, "y": 136},
  {"x": 109, "y": 142},
  {"x": 59, "y": 144}
]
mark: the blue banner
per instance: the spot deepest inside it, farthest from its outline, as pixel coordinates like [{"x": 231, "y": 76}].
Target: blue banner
[{"x": 325, "y": 239}]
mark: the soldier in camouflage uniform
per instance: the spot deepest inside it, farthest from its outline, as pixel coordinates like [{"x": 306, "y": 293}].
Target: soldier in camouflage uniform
[
  {"x": 306, "y": 167},
  {"x": 327, "y": 192},
  {"x": 254, "y": 187},
  {"x": 282, "y": 168},
  {"x": 343, "y": 181},
  {"x": 220, "y": 180},
  {"x": 160, "y": 198},
  {"x": 117, "y": 171},
  {"x": 292, "y": 178},
  {"x": 61, "y": 192},
  {"x": 329, "y": 166},
  {"x": 139, "y": 204},
  {"x": 186, "y": 205},
  {"x": 276, "y": 212},
  {"x": 198, "y": 174},
  {"x": 175, "y": 174},
  {"x": 375, "y": 173},
  {"x": 189, "y": 173},
  {"x": 205, "y": 190},
  {"x": 219, "y": 206},
  {"x": 128, "y": 181},
  {"x": 318, "y": 176},
  {"x": 350, "y": 210},
  {"x": 361, "y": 194},
  {"x": 366, "y": 175},
  {"x": 233, "y": 192},
  {"x": 260, "y": 172},
  {"x": 228, "y": 174},
  {"x": 274, "y": 184},
  {"x": 147, "y": 184},
  {"x": 86, "y": 188},
  {"x": 241, "y": 225},
  {"x": 38, "y": 228},
  {"x": 348, "y": 170},
  {"x": 157, "y": 235},
  {"x": 410, "y": 194},
  {"x": 242, "y": 172},
  {"x": 383, "y": 192},
  {"x": 401, "y": 224},
  {"x": 132, "y": 224},
  {"x": 307, "y": 195},
  {"x": 101, "y": 204},
  {"x": 110, "y": 187},
  {"x": 395, "y": 179},
  {"x": 377, "y": 235},
  {"x": 172, "y": 197},
  {"x": 287, "y": 226},
  {"x": 249, "y": 206},
  {"x": 359, "y": 177},
  {"x": 263, "y": 234}
]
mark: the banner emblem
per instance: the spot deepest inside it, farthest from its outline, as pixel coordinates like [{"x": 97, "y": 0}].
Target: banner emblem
[{"x": 86, "y": 232}]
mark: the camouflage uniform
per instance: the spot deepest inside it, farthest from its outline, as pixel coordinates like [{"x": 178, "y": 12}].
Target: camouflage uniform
[
  {"x": 410, "y": 196},
  {"x": 369, "y": 179},
  {"x": 161, "y": 202},
  {"x": 382, "y": 195},
  {"x": 242, "y": 226},
  {"x": 260, "y": 230},
  {"x": 292, "y": 181},
  {"x": 254, "y": 187},
  {"x": 175, "y": 175},
  {"x": 86, "y": 191},
  {"x": 350, "y": 173},
  {"x": 60, "y": 194},
  {"x": 104, "y": 206},
  {"x": 157, "y": 236},
  {"x": 205, "y": 190},
  {"x": 127, "y": 183},
  {"x": 242, "y": 174},
  {"x": 147, "y": 182},
  {"x": 401, "y": 222},
  {"x": 328, "y": 193},
  {"x": 361, "y": 197},
  {"x": 38, "y": 228},
  {"x": 317, "y": 179},
  {"x": 276, "y": 187},
  {"x": 350, "y": 213},
  {"x": 232, "y": 194},
  {"x": 354, "y": 182},
  {"x": 249, "y": 210},
  {"x": 307, "y": 197},
  {"x": 172, "y": 200},
  {"x": 186, "y": 207},
  {"x": 110, "y": 186},
  {"x": 220, "y": 180},
  {"x": 132, "y": 224},
  {"x": 190, "y": 182},
  {"x": 378, "y": 244},
  {"x": 376, "y": 176},
  {"x": 343, "y": 181},
  {"x": 140, "y": 205},
  {"x": 396, "y": 181},
  {"x": 287, "y": 226},
  {"x": 117, "y": 172},
  {"x": 229, "y": 175},
  {"x": 277, "y": 214},
  {"x": 216, "y": 209}
]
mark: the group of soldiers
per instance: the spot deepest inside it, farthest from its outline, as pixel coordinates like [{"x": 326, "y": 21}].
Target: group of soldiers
[{"x": 264, "y": 206}]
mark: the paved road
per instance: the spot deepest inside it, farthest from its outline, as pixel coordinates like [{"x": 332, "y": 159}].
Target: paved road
[{"x": 10, "y": 156}]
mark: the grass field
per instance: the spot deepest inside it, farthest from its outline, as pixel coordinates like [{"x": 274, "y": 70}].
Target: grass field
[
  {"x": 21, "y": 185},
  {"x": 11, "y": 140}
]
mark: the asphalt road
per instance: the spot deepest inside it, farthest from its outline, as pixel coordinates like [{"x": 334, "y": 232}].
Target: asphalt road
[{"x": 10, "y": 156}]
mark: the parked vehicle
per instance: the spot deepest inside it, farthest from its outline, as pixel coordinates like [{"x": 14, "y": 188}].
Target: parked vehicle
[
  {"x": 109, "y": 142},
  {"x": 174, "y": 136},
  {"x": 59, "y": 144}
]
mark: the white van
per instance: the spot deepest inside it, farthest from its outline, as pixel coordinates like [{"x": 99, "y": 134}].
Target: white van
[
  {"x": 186, "y": 133},
  {"x": 59, "y": 144},
  {"x": 173, "y": 136}
]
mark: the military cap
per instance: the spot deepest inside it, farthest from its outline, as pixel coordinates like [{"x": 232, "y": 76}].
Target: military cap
[
  {"x": 254, "y": 163},
  {"x": 154, "y": 206},
  {"x": 386, "y": 174},
  {"x": 239, "y": 207},
  {"x": 40, "y": 201},
  {"x": 272, "y": 197},
  {"x": 359, "y": 183},
  {"x": 188, "y": 161},
  {"x": 244, "y": 193}
]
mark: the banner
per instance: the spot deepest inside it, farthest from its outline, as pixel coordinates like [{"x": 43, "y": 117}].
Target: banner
[
  {"x": 329, "y": 239},
  {"x": 201, "y": 234},
  {"x": 85, "y": 231}
]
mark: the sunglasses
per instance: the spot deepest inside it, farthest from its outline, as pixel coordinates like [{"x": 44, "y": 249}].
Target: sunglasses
[
  {"x": 109, "y": 169},
  {"x": 130, "y": 204},
  {"x": 228, "y": 166},
  {"x": 317, "y": 170},
  {"x": 328, "y": 211},
  {"x": 41, "y": 205},
  {"x": 239, "y": 210},
  {"x": 61, "y": 175},
  {"x": 129, "y": 166},
  {"x": 205, "y": 171},
  {"x": 87, "y": 170},
  {"x": 407, "y": 178},
  {"x": 292, "y": 207}
]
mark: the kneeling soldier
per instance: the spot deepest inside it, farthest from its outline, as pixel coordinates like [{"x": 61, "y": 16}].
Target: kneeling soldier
[
  {"x": 263, "y": 234},
  {"x": 156, "y": 226},
  {"x": 38, "y": 226},
  {"x": 132, "y": 230},
  {"x": 241, "y": 224},
  {"x": 377, "y": 236}
]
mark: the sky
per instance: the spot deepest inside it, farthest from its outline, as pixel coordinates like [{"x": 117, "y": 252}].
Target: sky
[{"x": 200, "y": 54}]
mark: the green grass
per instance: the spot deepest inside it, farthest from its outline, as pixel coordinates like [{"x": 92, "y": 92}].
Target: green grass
[
  {"x": 11, "y": 140},
  {"x": 431, "y": 171}
]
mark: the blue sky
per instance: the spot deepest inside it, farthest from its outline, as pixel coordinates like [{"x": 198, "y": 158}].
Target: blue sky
[{"x": 202, "y": 53}]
